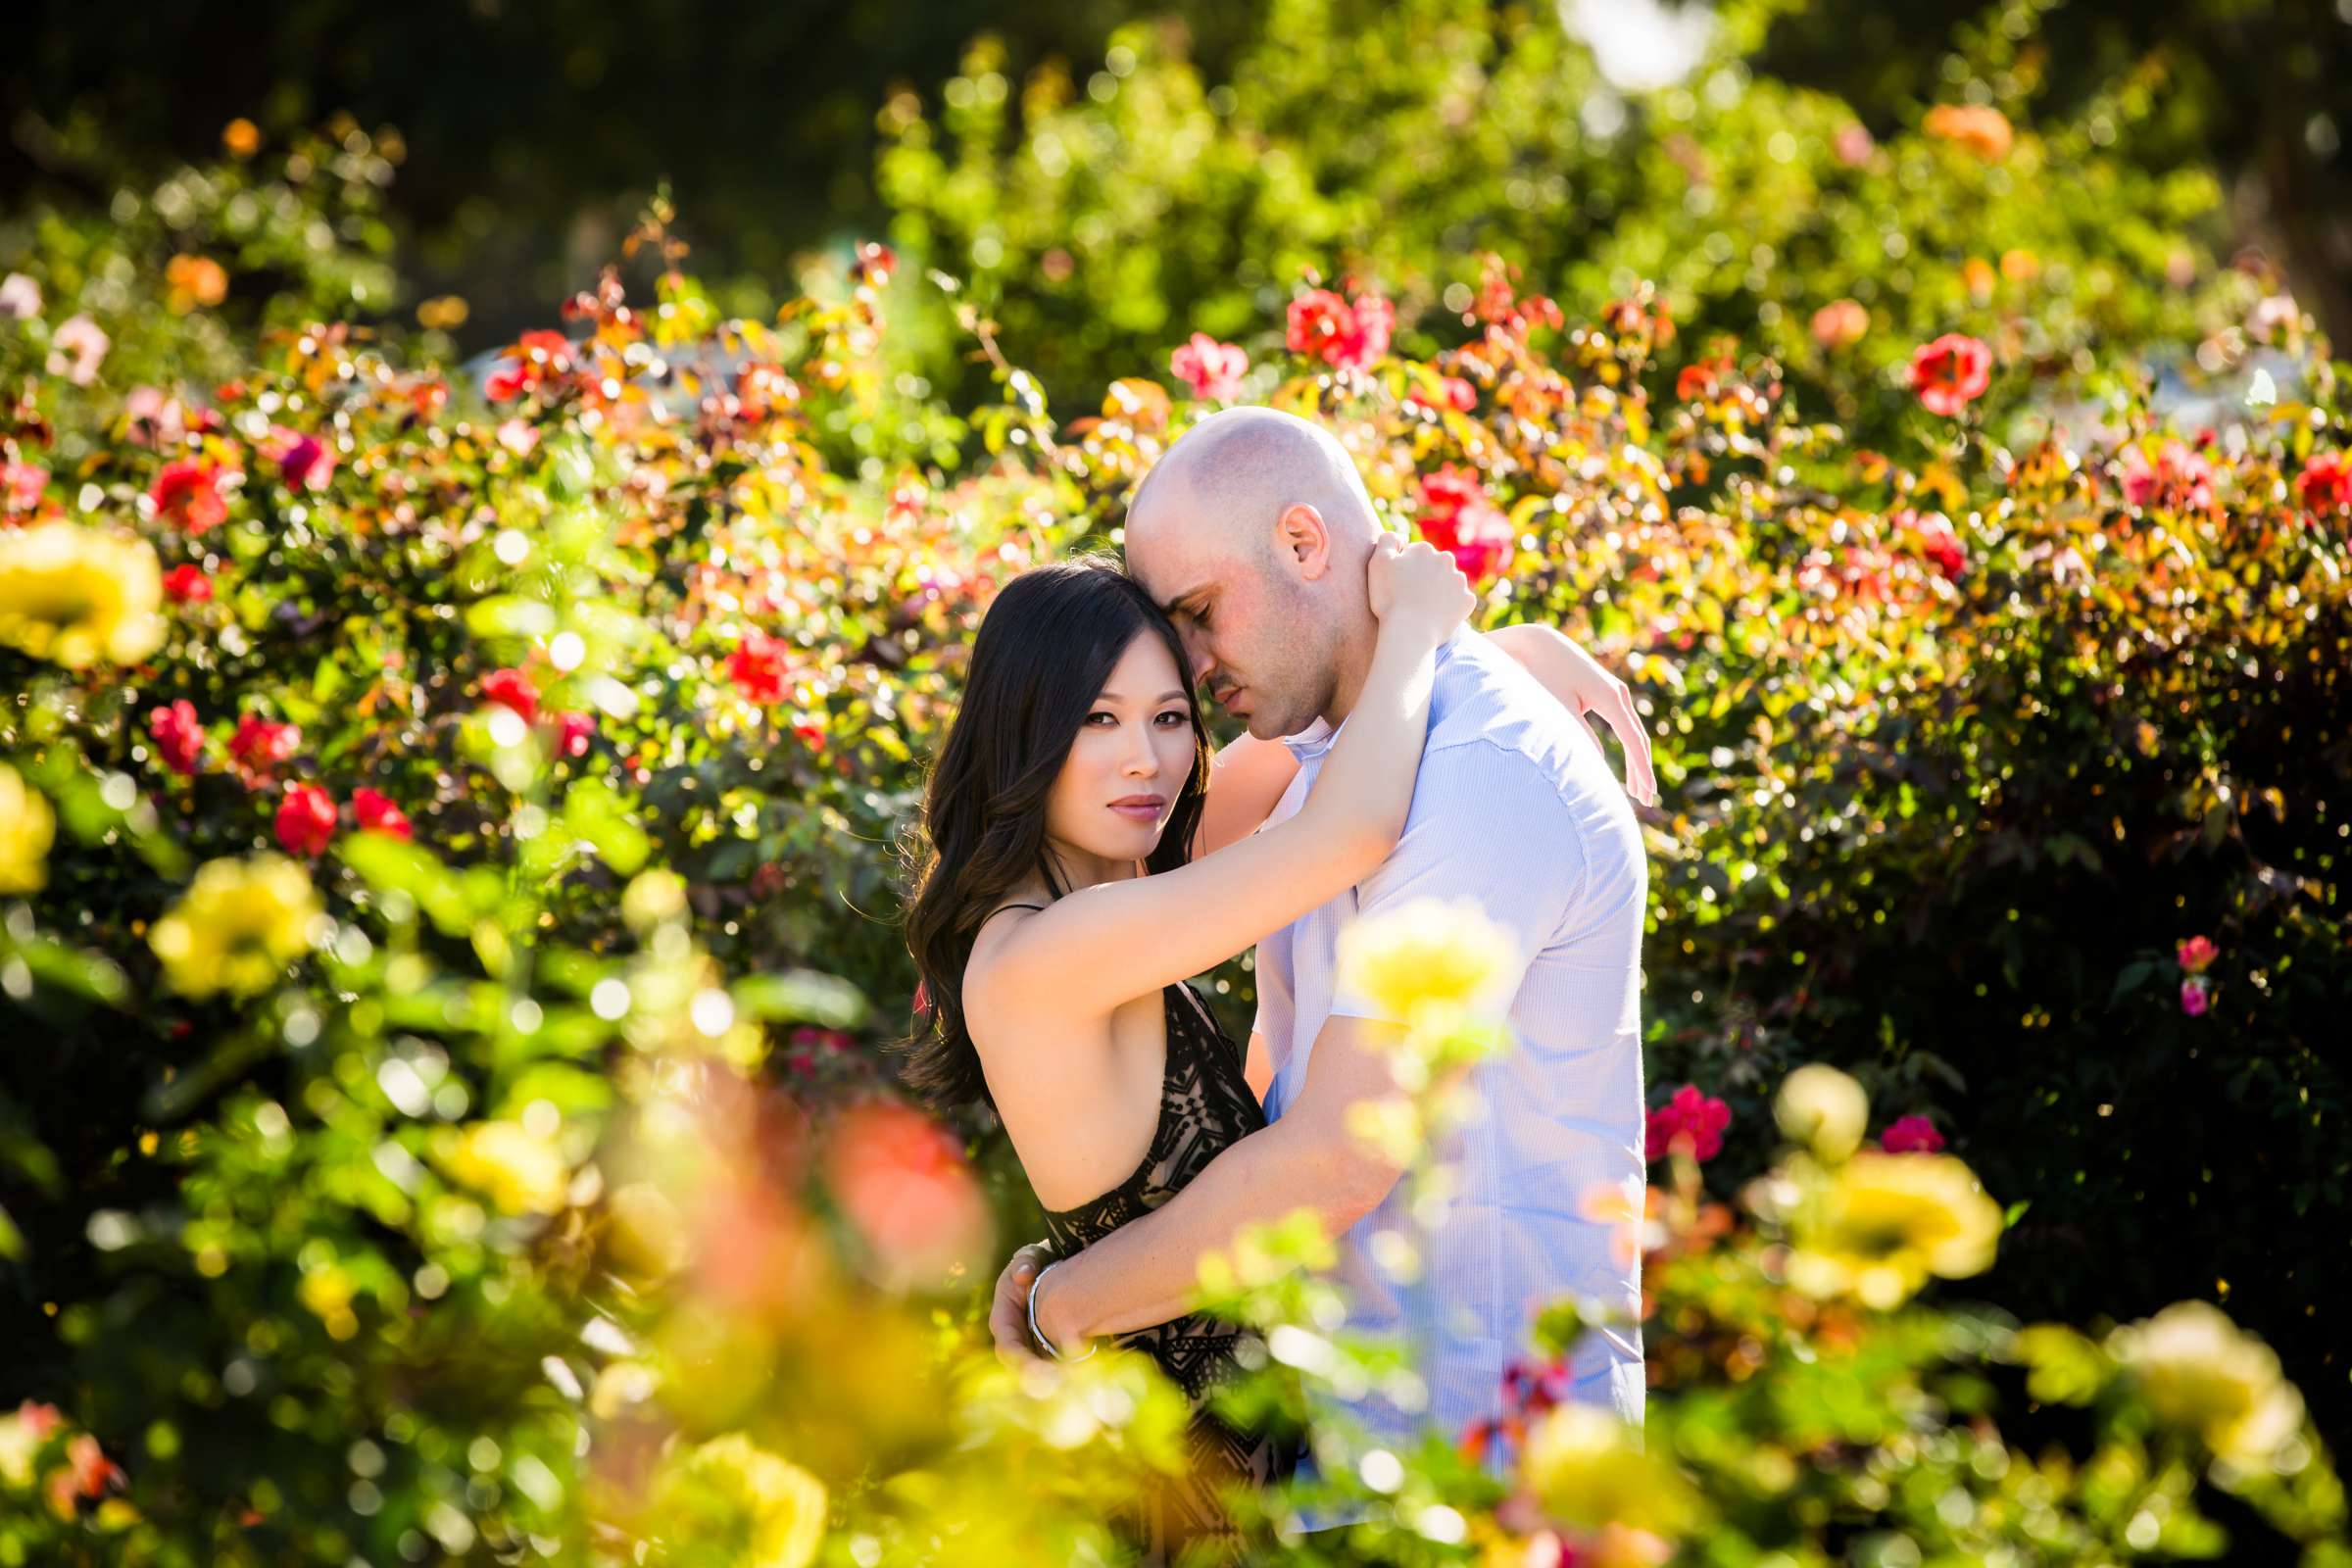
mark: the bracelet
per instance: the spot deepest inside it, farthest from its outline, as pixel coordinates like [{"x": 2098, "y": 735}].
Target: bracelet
[{"x": 1038, "y": 1335}]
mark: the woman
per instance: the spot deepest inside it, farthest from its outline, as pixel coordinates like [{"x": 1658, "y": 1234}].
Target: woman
[{"x": 1075, "y": 880}]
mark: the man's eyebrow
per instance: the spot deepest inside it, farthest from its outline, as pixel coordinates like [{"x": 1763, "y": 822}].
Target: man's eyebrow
[{"x": 1174, "y": 602}]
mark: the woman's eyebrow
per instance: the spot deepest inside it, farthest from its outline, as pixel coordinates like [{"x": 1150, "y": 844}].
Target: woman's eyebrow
[{"x": 1108, "y": 696}]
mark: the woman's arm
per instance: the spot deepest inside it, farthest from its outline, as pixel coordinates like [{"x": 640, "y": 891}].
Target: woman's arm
[
  {"x": 1576, "y": 679},
  {"x": 1245, "y": 780},
  {"x": 1084, "y": 955}
]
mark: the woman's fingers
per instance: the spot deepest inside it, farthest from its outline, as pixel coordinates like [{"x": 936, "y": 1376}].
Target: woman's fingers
[
  {"x": 1634, "y": 736},
  {"x": 1009, "y": 1314}
]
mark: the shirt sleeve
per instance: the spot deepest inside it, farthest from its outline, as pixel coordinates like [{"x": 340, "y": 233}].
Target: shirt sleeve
[{"x": 1487, "y": 825}]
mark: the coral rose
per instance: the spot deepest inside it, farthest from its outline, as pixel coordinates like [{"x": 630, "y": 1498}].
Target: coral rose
[
  {"x": 1951, "y": 373},
  {"x": 187, "y": 495}
]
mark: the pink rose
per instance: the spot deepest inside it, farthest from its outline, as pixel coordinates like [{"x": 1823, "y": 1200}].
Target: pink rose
[
  {"x": 76, "y": 349},
  {"x": 1212, "y": 370},
  {"x": 2195, "y": 997},
  {"x": 1911, "y": 1135},
  {"x": 1692, "y": 1117}
]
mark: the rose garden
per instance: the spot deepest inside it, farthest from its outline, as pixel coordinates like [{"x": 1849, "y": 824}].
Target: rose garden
[{"x": 454, "y": 817}]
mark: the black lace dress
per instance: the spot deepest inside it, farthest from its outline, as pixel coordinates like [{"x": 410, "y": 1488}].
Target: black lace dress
[{"x": 1204, "y": 1106}]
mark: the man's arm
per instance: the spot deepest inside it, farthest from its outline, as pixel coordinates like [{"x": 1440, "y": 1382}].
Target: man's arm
[{"x": 1145, "y": 1271}]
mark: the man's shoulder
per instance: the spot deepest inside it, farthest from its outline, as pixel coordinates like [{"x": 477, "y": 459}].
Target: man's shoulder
[{"x": 1485, "y": 703}]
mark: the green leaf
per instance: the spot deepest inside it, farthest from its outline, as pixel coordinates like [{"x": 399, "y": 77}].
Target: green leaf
[{"x": 800, "y": 996}]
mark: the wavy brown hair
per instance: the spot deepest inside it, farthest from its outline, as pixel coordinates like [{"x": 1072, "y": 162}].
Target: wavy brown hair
[{"x": 1044, "y": 653}]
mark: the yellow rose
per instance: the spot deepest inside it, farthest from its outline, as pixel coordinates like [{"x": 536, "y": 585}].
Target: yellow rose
[
  {"x": 652, "y": 897},
  {"x": 1588, "y": 1469},
  {"x": 2198, "y": 1371},
  {"x": 26, "y": 827},
  {"x": 1429, "y": 960},
  {"x": 729, "y": 1499},
  {"x": 75, "y": 596},
  {"x": 1823, "y": 1109},
  {"x": 1881, "y": 1224},
  {"x": 239, "y": 926},
  {"x": 519, "y": 1170}
]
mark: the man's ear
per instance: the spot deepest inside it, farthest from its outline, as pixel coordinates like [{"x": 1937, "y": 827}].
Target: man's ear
[{"x": 1301, "y": 534}]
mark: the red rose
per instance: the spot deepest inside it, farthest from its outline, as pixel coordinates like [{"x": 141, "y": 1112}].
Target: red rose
[
  {"x": 514, "y": 689},
  {"x": 2325, "y": 482},
  {"x": 1951, "y": 373},
  {"x": 187, "y": 585},
  {"x": 188, "y": 493},
  {"x": 759, "y": 667},
  {"x": 1937, "y": 540},
  {"x": 178, "y": 737},
  {"x": 1212, "y": 370},
  {"x": 1319, "y": 322},
  {"x": 376, "y": 814},
  {"x": 306, "y": 820},
  {"x": 259, "y": 745},
  {"x": 1459, "y": 520}
]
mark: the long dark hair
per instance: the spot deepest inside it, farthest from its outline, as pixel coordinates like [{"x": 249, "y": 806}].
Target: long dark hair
[{"x": 1044, "y": 650}]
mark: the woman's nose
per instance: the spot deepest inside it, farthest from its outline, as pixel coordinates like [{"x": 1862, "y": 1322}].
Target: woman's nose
[{"x": 1143, "y": 758}]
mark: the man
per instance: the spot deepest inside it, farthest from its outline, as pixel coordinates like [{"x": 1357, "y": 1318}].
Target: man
[{"x": 1253, "y": 533}]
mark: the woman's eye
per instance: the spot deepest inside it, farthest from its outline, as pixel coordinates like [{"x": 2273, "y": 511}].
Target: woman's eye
[
  {"x": 1171, "y": 717},
  {"x": 1112, "y": 718}
]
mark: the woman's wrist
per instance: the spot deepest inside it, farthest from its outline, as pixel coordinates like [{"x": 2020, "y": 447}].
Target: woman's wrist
[{"x": 1048, "y": 1327}]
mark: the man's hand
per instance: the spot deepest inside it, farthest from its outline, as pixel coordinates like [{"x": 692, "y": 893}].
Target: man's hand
[{"x": 1008, "y": 1314}]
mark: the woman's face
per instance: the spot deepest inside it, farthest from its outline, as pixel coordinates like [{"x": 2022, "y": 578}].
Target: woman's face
[{"x": 1132, "y": 755}]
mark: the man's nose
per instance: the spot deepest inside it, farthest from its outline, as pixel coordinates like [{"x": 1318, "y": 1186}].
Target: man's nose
[{"x": 1203, "y": 661}]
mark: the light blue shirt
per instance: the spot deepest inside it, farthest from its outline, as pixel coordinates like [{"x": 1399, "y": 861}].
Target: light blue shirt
[{"x": 1516, "y": 807}]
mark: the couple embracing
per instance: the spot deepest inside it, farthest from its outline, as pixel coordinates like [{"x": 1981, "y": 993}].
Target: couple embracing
[{"x": 1088, "y": 855}]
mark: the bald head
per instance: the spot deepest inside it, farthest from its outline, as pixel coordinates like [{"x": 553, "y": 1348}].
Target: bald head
[
  {"x": 1232, "y": 475},
  {"x": 1253, "y": 532}
]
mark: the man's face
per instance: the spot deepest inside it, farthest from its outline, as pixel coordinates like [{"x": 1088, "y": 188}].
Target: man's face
[{"x": 1249, "y": 630}]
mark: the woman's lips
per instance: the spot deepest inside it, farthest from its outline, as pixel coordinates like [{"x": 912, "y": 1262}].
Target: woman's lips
[{"x": 1142, "y": 809}]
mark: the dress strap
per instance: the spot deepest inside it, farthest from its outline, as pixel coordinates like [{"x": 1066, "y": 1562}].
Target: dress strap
[{"x": 1201, "y": 1009}]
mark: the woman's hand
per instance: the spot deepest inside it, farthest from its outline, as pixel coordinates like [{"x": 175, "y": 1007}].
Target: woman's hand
[{"x": 1417, "y": 586}]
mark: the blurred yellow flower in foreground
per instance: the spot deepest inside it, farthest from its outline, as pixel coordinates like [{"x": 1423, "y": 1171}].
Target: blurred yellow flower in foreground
[
  {"x": 26, "y": 827},
  {"x": 729, "y": 1500},
  {"x": 1428, "y": 963},
  {"x": 1588, "y": 1469},
  {"x": 2197, "y": 1370},
  {"x": 1881, "y": 1224},
  {"x": 237, "y": 927},
  {"x": 74, "y": 595},
  {"x": 1823, "y": 1109},
  {"x": 519, "y": 1170}
]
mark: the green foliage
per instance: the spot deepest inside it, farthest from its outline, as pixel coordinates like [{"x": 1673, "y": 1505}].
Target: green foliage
[{"x": 1103, "y": 219}]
